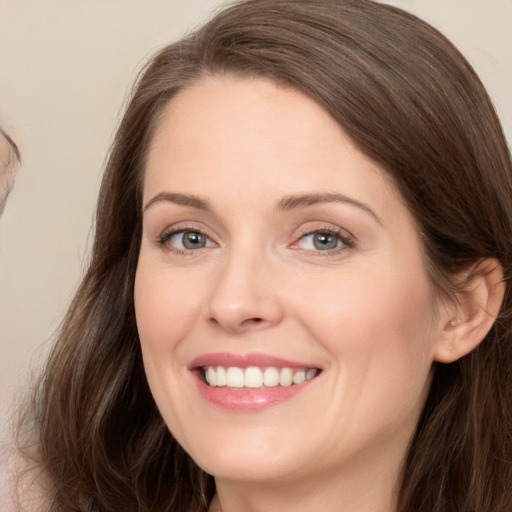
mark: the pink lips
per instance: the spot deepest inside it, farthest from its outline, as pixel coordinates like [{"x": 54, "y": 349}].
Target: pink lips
[
  {"x": 242, "y": 361},
  {"x": 244, "y": 399}
]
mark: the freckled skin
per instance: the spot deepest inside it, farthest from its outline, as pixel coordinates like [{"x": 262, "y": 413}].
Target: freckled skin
[{"x": 363, "y": 314}]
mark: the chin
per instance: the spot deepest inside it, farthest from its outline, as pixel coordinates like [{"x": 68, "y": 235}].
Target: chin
[
  {"x": 249, "y": 470},
  {"x": 254, "y": 461}
]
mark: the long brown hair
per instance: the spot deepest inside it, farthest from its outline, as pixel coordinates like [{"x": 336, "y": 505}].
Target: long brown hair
[{"x": 411, "y": 102}]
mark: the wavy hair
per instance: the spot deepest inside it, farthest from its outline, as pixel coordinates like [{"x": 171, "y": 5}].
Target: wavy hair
[{"x": 412, "y": 103}]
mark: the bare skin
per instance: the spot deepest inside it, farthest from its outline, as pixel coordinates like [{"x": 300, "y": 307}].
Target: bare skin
[{"x": 266, "y": 231}]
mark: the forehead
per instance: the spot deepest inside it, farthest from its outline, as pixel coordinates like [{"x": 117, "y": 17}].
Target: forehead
[{"x": 247, "y": 136}]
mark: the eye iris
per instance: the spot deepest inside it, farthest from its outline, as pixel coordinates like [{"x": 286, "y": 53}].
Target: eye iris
[
  {"x": 193, "y": 240},
  {"x": 324, "y": 241}
]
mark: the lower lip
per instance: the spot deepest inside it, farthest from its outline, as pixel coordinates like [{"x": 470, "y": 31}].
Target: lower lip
[{"x": 246, "y": 399}]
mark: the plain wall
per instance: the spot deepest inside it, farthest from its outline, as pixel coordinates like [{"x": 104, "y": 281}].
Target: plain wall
[{"x": 65, "y": 69}]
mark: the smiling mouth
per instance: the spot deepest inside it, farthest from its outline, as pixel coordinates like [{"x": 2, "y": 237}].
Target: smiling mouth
[{"x": 256, "y": 377}]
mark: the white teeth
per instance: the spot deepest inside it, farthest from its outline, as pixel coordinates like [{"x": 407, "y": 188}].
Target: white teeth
[
  {"x": 221, "y": 376},
  {"x": 235, "y": 377},
  {"x": 254, "y": 377},
  {"x": 310, "y": 374},
  {"x": 299, "y": 377},
  {"x": 211, "y": 376},
  {"x": 286, "y": 377},
  {"x": 271, "y": 377}
]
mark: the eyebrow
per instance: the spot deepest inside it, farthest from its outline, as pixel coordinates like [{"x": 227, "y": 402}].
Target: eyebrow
[
  {"x": 287, "y": 203},
  {"x": 303, "y": 201},
  {"x": 181, "y": 199}
]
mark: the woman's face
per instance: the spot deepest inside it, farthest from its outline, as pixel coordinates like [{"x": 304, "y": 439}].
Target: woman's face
[{"x": 278, "y": 262}]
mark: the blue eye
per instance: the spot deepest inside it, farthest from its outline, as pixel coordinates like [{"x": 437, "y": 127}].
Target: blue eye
[
  {"x": 323, "y": 241},
  {"x": 187, "y": 240}
]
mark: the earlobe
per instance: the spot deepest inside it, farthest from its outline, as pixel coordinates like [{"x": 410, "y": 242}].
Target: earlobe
[{"x": 473, "y": 313}]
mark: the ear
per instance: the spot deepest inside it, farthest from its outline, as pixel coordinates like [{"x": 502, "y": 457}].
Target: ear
[{"x": 469, "y": 317}]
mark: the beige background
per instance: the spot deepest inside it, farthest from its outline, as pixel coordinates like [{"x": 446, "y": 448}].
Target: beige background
[{"x": 65, "y": 67}]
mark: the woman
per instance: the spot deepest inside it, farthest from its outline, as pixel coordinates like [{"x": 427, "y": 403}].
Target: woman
[{"x": 298, "y": 293}]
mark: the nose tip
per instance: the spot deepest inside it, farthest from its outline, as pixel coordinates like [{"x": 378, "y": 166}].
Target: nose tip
[{"x": 244, "y": 299}]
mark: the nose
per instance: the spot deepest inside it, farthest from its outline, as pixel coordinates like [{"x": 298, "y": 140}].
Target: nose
[{"x": 245, "y": 295}]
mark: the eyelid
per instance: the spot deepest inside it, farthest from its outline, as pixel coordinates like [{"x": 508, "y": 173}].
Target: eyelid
[
  {"x": 174, "y": 229},
  {"x": 348, "y": 240},
  {"x": 310, "y": 228}
]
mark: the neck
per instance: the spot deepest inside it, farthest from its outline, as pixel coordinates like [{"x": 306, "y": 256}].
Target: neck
[{"x": 368, "y": 489}]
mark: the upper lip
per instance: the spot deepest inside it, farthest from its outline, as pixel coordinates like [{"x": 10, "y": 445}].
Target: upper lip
[{"x": 227, "y": 359}]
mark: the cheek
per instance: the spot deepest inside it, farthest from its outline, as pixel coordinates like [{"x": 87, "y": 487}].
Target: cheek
[
  {"x": 374, "y": 302},
  {"x": 165, "y": 311},
  {"x": 165, "y": 308},
  {"x": 378, "y": 326}
]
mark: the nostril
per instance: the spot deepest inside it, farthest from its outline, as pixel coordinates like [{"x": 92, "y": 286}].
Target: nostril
[
  {"x": 247, "y": 321},
  {"x": 252, "y": 321}
]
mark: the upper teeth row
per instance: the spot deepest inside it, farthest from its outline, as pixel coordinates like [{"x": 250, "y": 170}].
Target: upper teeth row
[{"x": 254, "y": 377}]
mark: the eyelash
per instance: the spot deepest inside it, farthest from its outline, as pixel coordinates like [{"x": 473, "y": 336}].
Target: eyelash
[
  {"x": 164, "y": 238},
  {"x": 346, "y": 240}
]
